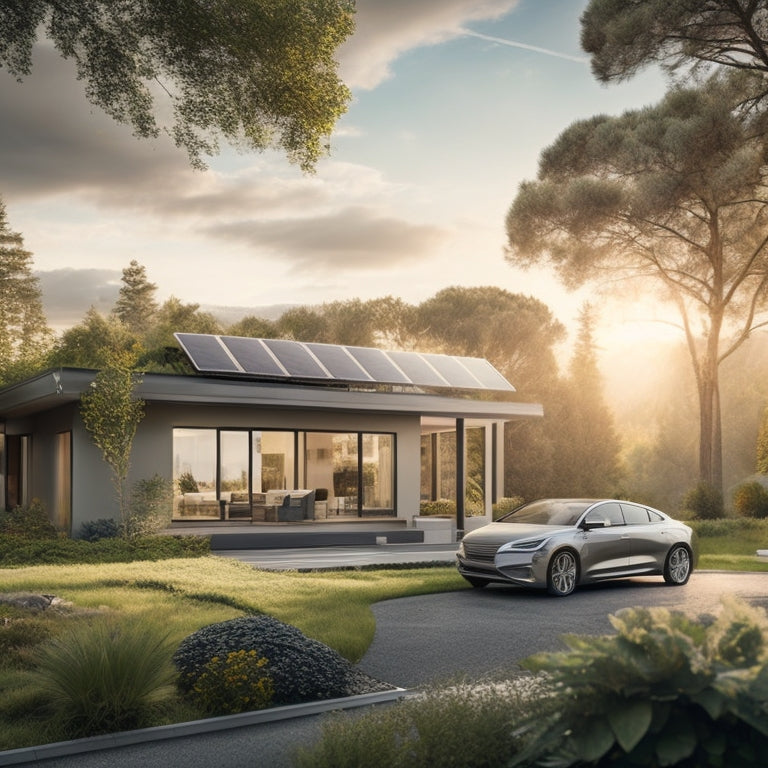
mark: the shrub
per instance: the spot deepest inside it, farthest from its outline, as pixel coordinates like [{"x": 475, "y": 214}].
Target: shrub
[
  {"x": 466, "y": 725},
  {"x": 187, "y": 483},
  {"x": 103, "y": 528},
  {"x": 665, "y": 690},
  {"x": 30, "y": 522},
  {"x": 751, "y": 500},
  {"x": 507, "y": 504},
  {"x": 440, "y": 507},
  {"x": 301, "y": 669},
  {"x": 105, "y": 676},
  {"x": 705, "y": 502},
  {"x": 150, "y": 507},
  {"x": 14, "y": 552},
  {"x": 237, "y": 682}
]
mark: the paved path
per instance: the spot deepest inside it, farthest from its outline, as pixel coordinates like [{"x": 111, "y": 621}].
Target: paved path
[{"x": 435, "y": 638}]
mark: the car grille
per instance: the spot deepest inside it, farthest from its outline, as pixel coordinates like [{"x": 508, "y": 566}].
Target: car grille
[{"x": 480, "y": 552}]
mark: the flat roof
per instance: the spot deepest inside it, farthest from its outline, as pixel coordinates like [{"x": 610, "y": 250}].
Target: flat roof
[{"x": 53, "y": 388}]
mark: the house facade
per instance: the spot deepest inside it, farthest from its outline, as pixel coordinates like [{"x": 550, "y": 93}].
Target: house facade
[{"x": 239, "y": 445}]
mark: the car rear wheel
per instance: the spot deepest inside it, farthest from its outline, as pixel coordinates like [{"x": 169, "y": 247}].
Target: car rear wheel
[
  {"x": 677, "y": 568},
  {"x": 562, "y": 573},
  {"x": 477, "y": 583}
]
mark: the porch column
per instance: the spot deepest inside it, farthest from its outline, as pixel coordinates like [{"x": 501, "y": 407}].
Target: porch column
[{"x": 461, "y": 490}]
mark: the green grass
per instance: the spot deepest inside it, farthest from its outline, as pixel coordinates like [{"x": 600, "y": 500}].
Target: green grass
[{"x": 188, "y": 593}]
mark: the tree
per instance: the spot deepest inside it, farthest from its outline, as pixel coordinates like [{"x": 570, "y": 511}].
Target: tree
[
  {"x": 259, "y": 73},
  {"x": 762, "y": 445},
  {"x": 625, "y": 35},
  {"x": 136, "y": 306},
  {"x": 24, "y": 333},
  {"x": 175, "y": 316},
  {"x": 516, "y": 333},
  {"x": 111, "y": 413},
  {"x": 673, "y": 195},
  {"x": 83, "y": 345},
  {"x": 586, "y": 447}
]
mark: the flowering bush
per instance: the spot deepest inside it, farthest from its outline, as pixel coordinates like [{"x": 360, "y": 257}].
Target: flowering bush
[
  {"x": 301, "y": 669},
  {"x": 237, "y": 682}
]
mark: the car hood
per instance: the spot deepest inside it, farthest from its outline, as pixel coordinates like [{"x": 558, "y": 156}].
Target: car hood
[{"x": 501, "y": 533}]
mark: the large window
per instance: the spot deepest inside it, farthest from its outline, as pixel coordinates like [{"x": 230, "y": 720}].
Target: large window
[{"x": 351, "y": 473}]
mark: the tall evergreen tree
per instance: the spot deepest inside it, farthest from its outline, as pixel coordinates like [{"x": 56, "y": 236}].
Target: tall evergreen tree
[
  {"x": 24, "y": 333},
  {"x": 136, "y": 305},
  {"x": 587, "y": 448}
]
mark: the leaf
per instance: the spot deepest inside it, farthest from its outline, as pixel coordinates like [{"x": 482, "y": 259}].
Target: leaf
[
  {"x": 677, "y": 743},
  {"x": 594, "y": 742},
  {"x": 630, "y": 722},
  {"x": 711, "y": 701}
]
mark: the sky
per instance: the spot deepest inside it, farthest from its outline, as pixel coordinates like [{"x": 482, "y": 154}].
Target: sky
[{"x": 453, "y": 101}]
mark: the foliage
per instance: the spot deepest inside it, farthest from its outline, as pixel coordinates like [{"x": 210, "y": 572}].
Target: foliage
[
  {"x": 666, "y": 689},
  {"x": 187, "y": 483},
  {"x": 624, "y": 37},
  {"x": 506, "y": 504},
  {"x": 24, "y": 334},
  {"x": 467, "y": 725},
  {"x": 83, "y": 345},
  {"x": 762, "y": 445},
  {"x": 176, "y": 317},
  {"x": 111, "y": 413},
  {"x": 259, "y": 74},
  {"x": 751, "y": 500},
  {"x": 438, "y": 507},
  {"x": 28, "y": 522},
  {"x": 151, "y": 507},
  {"x": 136, "y": 305},
  {"x": 103, "y": 528},
  {"x": 15, "y": 552},
  {"x": 104, "y": 675},
  {"x": 301, "y": 669},
  {"x": 704, "y": 501},
  {"x": 671, "y": 196},
  {"x": 237, "y": 682}
]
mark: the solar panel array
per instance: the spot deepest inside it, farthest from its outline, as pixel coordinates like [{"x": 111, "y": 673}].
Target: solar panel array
[{"x": 309, "y": 361}]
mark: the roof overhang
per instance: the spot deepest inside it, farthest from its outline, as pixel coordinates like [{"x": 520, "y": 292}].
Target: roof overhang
[{"x": 54, "y": 388}]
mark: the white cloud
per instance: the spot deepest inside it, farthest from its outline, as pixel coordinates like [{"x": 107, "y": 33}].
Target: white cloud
[{"x": 387, "y": 29}]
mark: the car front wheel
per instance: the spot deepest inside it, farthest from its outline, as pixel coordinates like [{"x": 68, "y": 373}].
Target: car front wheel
[
  {"x": 677, "y": 568},
  {"x": 562, "y": 574}
]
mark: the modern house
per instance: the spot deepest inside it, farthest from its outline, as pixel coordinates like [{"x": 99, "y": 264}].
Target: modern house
[{"x": 273, "y": 432}]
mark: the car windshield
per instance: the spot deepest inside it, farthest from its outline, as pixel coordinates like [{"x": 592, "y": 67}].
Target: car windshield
[{"x": 549, "y": 512}]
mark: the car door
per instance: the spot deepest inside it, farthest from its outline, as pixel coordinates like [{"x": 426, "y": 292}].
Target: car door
[
  {"x": 606, "y": 542},
  {"x": 649, "y": 541}
]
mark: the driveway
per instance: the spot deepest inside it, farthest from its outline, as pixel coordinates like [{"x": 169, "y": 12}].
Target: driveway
[{"x": 436, "y": 638}]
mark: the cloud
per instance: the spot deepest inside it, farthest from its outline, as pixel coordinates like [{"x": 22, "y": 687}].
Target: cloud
[
  {"x": 69, "y": 293},
  {"x": 356, "y": 238},
  {"x": 386, "y": 30}
]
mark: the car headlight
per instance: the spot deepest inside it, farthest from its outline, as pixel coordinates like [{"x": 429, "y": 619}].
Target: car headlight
[{"x": 524, "y": 546}]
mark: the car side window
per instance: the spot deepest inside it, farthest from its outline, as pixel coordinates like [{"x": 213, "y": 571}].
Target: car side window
[
  {"x": 635, "y": 515},
  {"x": 609, "y": 514},
  {"x": 655, "y": 517}
]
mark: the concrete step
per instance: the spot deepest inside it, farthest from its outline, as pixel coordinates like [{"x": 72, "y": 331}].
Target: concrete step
[{"x": 298, "y": 539}]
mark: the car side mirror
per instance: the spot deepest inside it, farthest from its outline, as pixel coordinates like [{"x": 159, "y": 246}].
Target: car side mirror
[{"x": 588, "y": 525}]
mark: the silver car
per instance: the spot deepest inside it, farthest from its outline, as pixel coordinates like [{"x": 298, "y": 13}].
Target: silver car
[{"x": 558, "y": 544}]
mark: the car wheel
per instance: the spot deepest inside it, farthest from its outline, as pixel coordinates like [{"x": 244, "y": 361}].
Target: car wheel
[
  {"x": 477, "y": 583},
  {"x": 677, "y": 568},
  {"x": 562, "y": 573}
]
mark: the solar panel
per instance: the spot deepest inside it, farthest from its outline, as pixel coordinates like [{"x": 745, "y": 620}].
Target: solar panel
[
  {"x": 486, "y": 374},
  {"x": 418, "y": 370},
  {"x": 453, "y": 371},
  {"x": 207, "y": 353},
  {"x": 286, "y": 359},
  {"x": 253, "y": 356},
  {"x": 381, "y": 368},
  {"x": 339, "y": 362},
  {"x": 297, "y": 360}
]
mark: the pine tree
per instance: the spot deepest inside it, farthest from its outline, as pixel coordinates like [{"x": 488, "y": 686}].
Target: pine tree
[
  {"x": 24, "y": 333},
  {"x": 587, "y": 451},
  {"x": 136, "y": 305}
]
